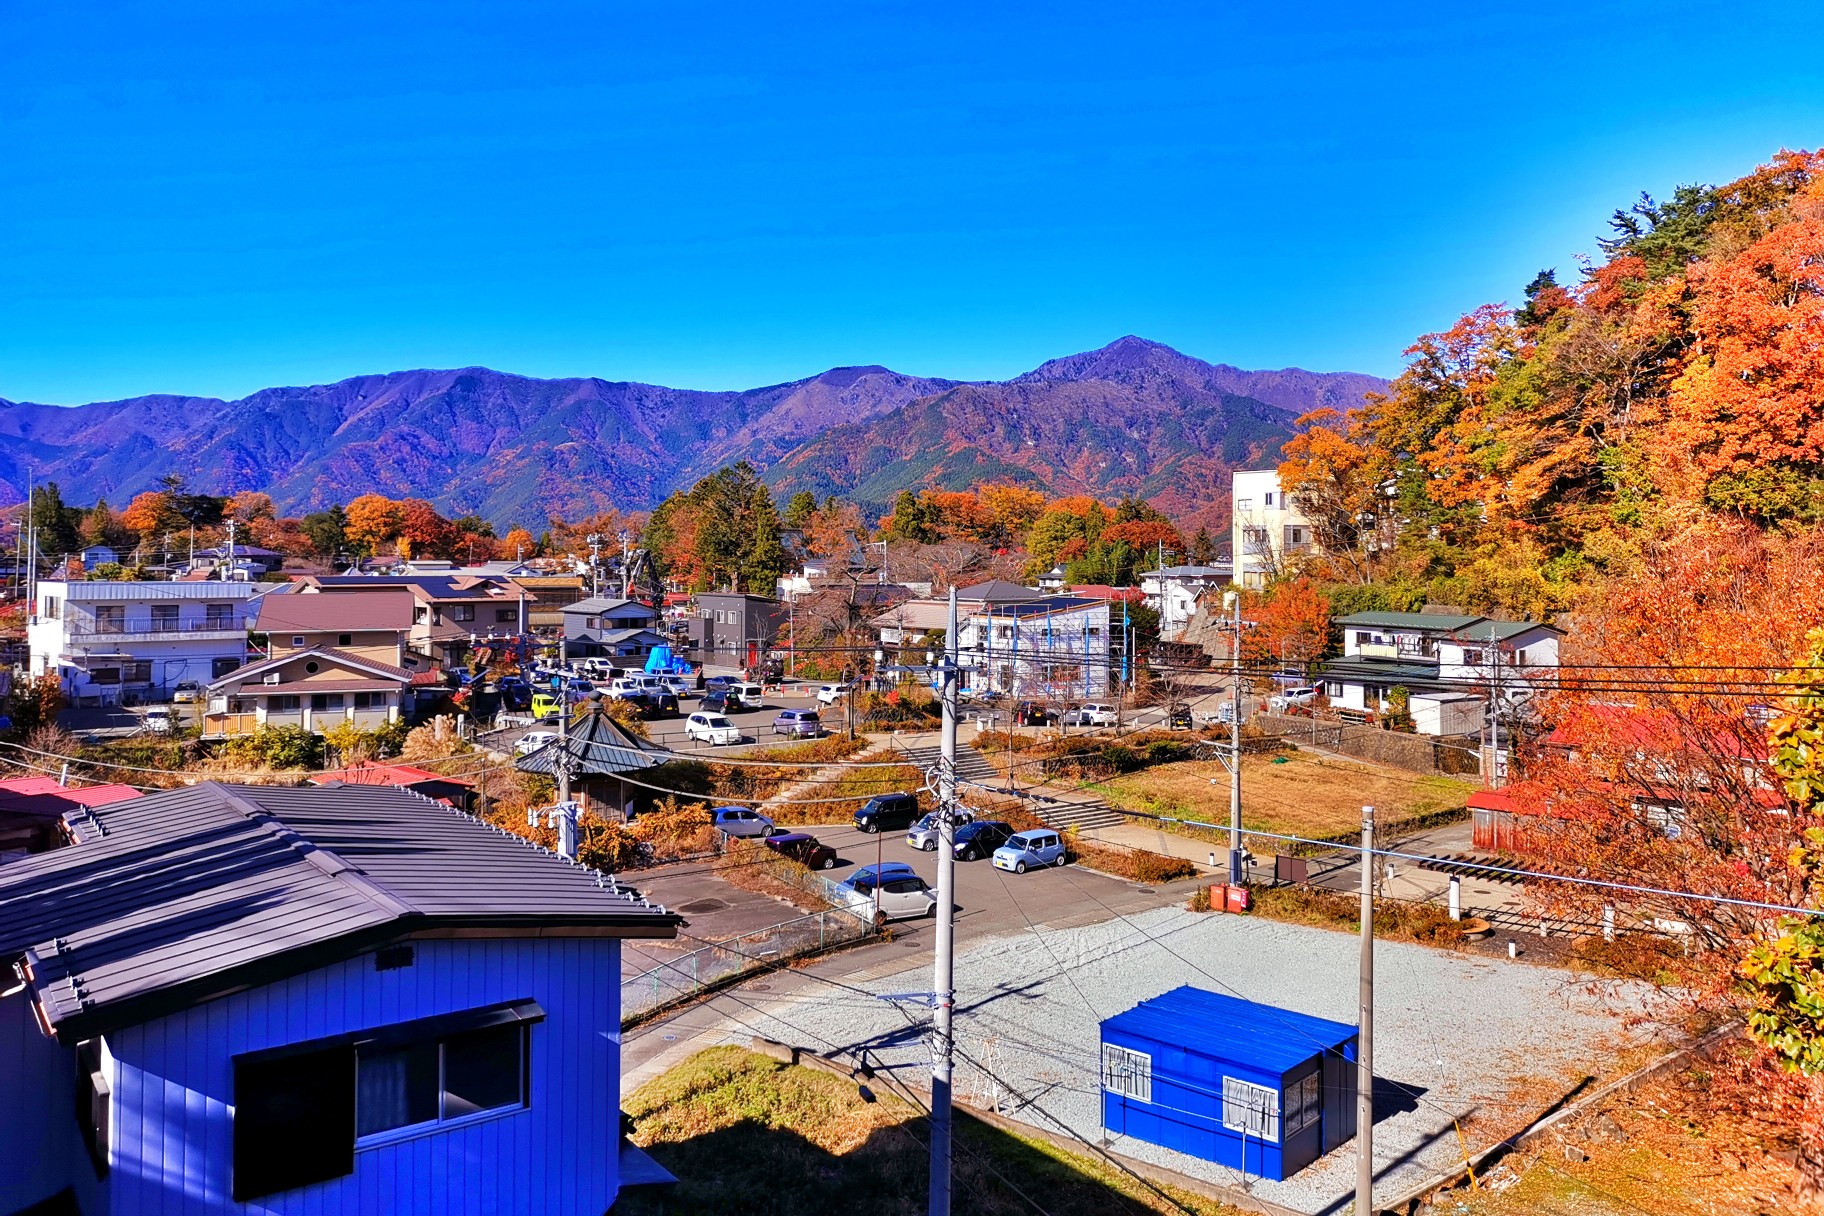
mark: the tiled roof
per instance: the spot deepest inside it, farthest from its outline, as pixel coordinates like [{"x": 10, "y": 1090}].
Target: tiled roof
[{"x": 190, "y": 894}]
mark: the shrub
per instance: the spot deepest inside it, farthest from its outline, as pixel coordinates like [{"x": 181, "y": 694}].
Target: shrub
[
  {"x": 675, "y": 830},
  {"x": 279, "y": 747},
  {"x": 608, "y": 846},
  {"x": 1166, "y": 751}
]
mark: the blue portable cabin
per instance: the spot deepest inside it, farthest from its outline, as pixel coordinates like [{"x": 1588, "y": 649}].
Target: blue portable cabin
[{"x": 1263, "y": 1090}]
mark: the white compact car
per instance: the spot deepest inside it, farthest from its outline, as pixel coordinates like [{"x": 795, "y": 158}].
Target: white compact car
[
  {"x": 713, "y": 729},
  {"x": 829, "y": 694},
  {"x": 1090, "y": 715},
  {"x": 532, "y": 740}
]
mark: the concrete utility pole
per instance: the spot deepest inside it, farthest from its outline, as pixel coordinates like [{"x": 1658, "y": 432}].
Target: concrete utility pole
[
  {"x": 943, "y": 984},
  {"x": 1364, "y": 1051},
  {"x": 1237, "y": 871}
]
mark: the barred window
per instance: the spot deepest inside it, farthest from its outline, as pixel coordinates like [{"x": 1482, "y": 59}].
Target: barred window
[
  {"x": 1128, "y": 1073},
  {"x": 1252, "y": 1110}
]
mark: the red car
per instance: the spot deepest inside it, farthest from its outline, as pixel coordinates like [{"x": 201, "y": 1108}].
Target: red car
[{"x": 806, "y": 850}]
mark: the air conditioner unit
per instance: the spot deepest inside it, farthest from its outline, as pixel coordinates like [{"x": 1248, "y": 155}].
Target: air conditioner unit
[{"x": 271, "y": 677}]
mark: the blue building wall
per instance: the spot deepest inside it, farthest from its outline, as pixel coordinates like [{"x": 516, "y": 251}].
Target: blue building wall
[
  {"x": 40, "y": 1147},
  {"x": 173, "y": 1088}
]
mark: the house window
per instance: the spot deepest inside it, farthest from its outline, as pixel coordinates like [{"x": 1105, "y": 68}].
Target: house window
[
  {"x": 1304, "y": 1103},
  {"x": 1128, "y": 1073},
  {"x": 221, "y": 667},
  {"x": 1472, "y": 656},
  {"x": 110, "y": 618},
  {"x": 297, "y": 641},
  {"x": 369, "y": 700},
  {"x": 1333, "y": 690},
  {"x": 136, "y": 673},
  {"x": 322, "y": 702},
  {"x": 463, "y": 612},
  {"x": 164, "y": 618},
  {"x": 218, "y": 616},
  {"x": 1252, "y": 1110},
  {"x": 282, "y": 705},
  {"x": 436, "y": 1080},
  {"x": 345, "y": 639},
  {"x": 52, "y": 608},
  {"x": 504, "y": 615},
  {"x": 104, "y": 675},
  {"x": 1244, "y": 504},
  {"x": 317, "y": 1099},
  {"x": 1269, "y": 500},
  {"x": 1297, "y": 534}
]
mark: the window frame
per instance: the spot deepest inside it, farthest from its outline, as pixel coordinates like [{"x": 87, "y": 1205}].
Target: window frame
[
  {"x": 1304, "y": 1105},
  {"x": 1255, "y": 1117},
  {"x": 1127, "y": 1072}
]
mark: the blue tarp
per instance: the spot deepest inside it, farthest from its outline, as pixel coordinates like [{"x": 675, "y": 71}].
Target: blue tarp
[{"x": 661, "y": 662}]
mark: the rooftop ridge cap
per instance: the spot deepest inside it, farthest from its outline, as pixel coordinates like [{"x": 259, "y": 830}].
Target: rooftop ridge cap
[{"x": 329, "y": 862}]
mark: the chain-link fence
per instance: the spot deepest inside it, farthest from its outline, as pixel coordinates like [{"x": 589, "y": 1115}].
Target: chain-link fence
[{"x": 688, "y": 974}]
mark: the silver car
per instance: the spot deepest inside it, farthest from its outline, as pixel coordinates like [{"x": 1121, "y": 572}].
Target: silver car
[
  {"x": 924, "y": 834},
  {"x": 900, "y": 897}
]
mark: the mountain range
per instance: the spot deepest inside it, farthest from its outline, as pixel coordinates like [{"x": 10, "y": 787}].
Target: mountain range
[{"x": 1134, "y": 417}]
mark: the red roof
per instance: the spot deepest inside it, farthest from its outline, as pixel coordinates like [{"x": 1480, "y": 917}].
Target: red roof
[
  {"x": 1102, "y": 591},
  {"x": 1491, "y": 800},
  {"x": 370, "y": 773},
  {"x": 43, "y": 796}
]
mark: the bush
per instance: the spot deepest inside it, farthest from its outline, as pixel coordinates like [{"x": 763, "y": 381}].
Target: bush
[
  {"x": 608, "y": 846},
  {"x": 676, "y": 830},
  {"x": 1167, "y": 751},
  {"x": 279, "y": 747},
  {"x": 1394, "y": 920}
]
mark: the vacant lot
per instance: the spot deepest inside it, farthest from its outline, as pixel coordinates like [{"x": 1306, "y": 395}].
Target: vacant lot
[
  {"x": 747, "y": 1134},
  {"x": 1291, "y": 792}
]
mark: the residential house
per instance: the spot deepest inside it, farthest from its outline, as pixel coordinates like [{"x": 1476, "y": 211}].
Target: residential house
[
  {"x": 457, "y": 792},
  {"x": 916, "y": 621},
  {"x": 597, "y": 753},
  {"x": 322, "y": 1000},
  {"x": 1267, "y": 531},
  {"x": 1451, "y": 666},
  {"x": 111, "y": 642},
  {"x": 376, "y": 624},
  {"x": 549, "y": 595},
  {"x": 732, "y": 629},
  {"x": 248, "y": 559},
  {"x": 1057, "y": 648},
  {"x": 603, "y": 627},
  {"x": 34, "y": 811},
  {"x": 317, "y": 688},
  {"x": 453, "y": 613},
  {"x": 99, "y": 555},
  {"x": 1173, "y": 592}
]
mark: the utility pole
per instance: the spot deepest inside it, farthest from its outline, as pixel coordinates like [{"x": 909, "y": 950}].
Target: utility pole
[
  {"x": 944, "y": 968},
  {"x": 1237, "y": 871},
  {"x": 1364, "y": 1050}
]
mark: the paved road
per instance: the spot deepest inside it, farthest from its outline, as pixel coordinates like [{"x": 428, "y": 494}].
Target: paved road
[
  {"x": 756, "y": 724},
  {"x": 991, "y": 903}
]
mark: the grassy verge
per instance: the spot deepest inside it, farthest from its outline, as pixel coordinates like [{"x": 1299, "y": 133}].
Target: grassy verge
[
  {"x": 1136, "y": 865},
  {"x": 1291, "y": 793},
  {"x": 852, "y": 786},
  {"x": 1395, "y": 921},
  {"x": 747, "y": 1134}
]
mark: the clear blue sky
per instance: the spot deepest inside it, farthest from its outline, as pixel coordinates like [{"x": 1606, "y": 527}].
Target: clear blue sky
[{"x": 211, "y": 198}]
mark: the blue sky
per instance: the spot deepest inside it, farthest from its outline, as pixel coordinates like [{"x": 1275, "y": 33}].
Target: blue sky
[{"x": 214, "y": 198}]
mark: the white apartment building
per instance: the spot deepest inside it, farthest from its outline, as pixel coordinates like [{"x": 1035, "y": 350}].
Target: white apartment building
[
  {"x": 1051, "y": 648},
  {"x": 110, "y": 642},
  {"x": 1266, "y": 527}
]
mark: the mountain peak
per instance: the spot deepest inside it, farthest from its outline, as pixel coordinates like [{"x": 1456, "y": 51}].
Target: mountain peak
[{"x": 1123, "y": 357}]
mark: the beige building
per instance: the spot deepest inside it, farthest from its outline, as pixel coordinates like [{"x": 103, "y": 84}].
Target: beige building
[
  {"x": 316, "y": 687},
  {"x": 1268, "y": 531}
]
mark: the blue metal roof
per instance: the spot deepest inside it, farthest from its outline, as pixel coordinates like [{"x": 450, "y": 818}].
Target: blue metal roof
[{"x": 1229, "y": 1028}]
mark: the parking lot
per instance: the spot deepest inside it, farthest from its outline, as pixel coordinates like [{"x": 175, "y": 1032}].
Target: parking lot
[{"x": 756, "y": 725}]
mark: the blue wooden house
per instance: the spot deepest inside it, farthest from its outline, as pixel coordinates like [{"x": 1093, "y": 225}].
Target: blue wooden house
[
  {"x": 346, "y": 999},
  {"x": 1263, "y": 1090}
]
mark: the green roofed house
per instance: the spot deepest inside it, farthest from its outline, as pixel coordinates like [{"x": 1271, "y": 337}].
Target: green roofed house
[{"x": 1453, "y": 667}]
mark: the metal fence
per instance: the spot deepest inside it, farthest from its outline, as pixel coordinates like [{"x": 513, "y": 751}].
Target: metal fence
[{"x": 677, "y": 979}]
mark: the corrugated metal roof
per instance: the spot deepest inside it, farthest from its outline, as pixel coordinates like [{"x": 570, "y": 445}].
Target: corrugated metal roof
[
  {"x": 185, "y": 895},
  {"x": 1380, "y": 671},
  {"x": 1229, "y": 1028},
  {"x": 601, "y": 604},
  {"x": 1436, "y": 622},
  {"x": 598, "y": 747},
  {"x": 378, "y": 608},
  {"x": 1500, "y": 631}
]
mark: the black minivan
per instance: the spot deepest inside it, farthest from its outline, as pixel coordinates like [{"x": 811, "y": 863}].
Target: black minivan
[{"x": 887, "y": 812}]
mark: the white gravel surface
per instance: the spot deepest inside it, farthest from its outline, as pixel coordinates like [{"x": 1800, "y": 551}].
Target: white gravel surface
[{"x": 1459, "y": 1036}]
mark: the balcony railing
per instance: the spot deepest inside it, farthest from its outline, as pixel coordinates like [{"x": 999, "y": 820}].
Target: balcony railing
[{"x": 147, "y": 629}]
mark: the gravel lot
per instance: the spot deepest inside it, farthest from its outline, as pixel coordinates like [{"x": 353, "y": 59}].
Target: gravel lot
[{"x": 1490, "y": 1043}]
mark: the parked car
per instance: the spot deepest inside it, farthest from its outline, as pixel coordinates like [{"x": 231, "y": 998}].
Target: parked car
[
  {"x": 924, "y": 834},
  {"x": 865, "y": 878},
  {"x": 532, "y": 740},
  {"x": 718, "y": 683},
  {"x": 1030, "y": 850},
  {"x": 806, "y": 850},
  {"x": 980, "y": 839},
  {"x": 186, "y": 692},
  {"x": 751, "y": 694},
  {"x": 1031, "y": 713},
  {"x": 1090, "y": 715},
  {"x": 1225, "y": 714},
  {"x": 546, "y": 705},
  {"x": 885, "y": 812},
  {"x": 711, "y": 728},
  {"x": 829, "y": 694},
  {"x": 676, "y": 685},
  {"x": 721, "y": 701},
  {"x": 157, "y": 719},
  {"x": 516, "y": 697},
  {"x": 739, "y": 821},
  {"x": 799, "y": 723},
  {"x": 1178, "y": 717},
  {"x": 658, "y": 703},
  {"x": 1282, "y": 701}
]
